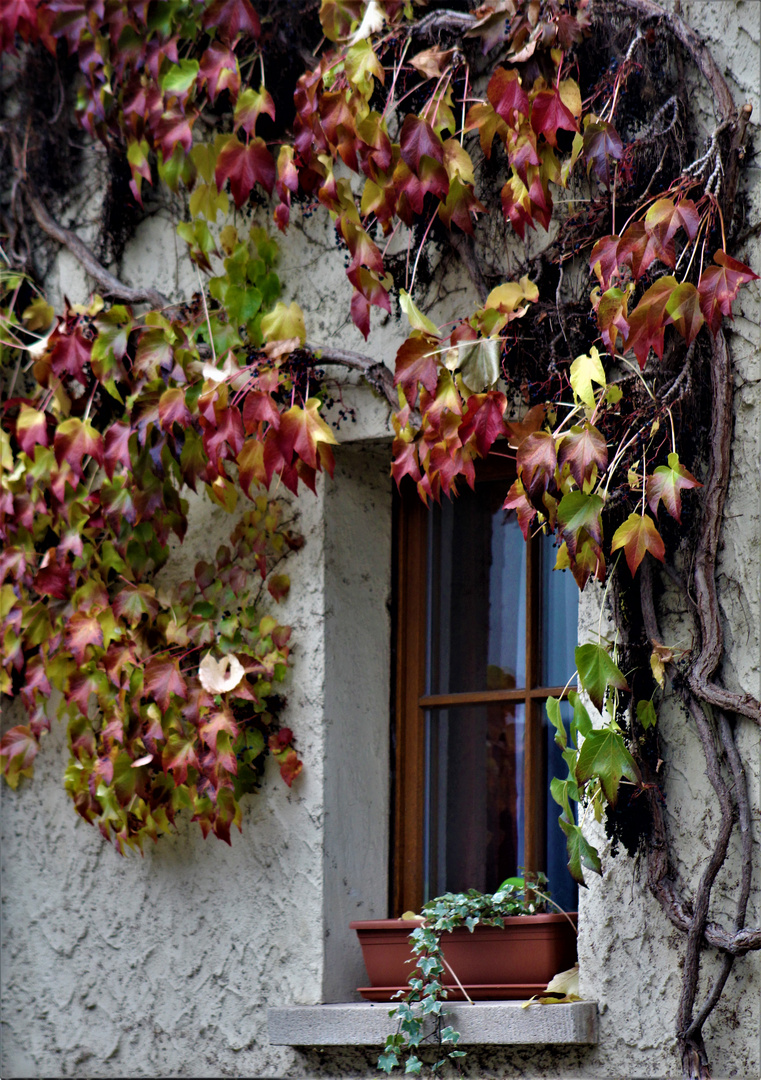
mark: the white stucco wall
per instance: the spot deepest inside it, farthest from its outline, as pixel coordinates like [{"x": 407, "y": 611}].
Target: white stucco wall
[{"x": 165, "y": 965}]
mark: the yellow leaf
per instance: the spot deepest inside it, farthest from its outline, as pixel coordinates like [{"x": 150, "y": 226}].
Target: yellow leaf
[
  {"x": 284, "y": 322},
  {"x": 418, "y": 321},
  {"x": 584, "y": 371},
  {"x": 570, "y": 95}
]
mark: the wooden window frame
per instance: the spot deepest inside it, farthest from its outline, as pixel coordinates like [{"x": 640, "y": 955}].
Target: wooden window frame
[{"x": 411, "y": 701}]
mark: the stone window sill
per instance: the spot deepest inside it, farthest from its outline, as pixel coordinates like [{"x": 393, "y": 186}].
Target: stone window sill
[{"x": 489, "y": 1023}]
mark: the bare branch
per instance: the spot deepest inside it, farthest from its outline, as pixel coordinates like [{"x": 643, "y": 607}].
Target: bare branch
[
  {"x": 374, "y": 372},
  {"x": 110, "y": 285}
]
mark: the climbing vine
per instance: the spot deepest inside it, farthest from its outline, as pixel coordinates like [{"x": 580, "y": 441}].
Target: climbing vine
[{"x": 597, "y": 237}]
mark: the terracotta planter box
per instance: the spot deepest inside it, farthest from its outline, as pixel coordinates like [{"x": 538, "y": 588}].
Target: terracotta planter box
[{"x": 492, "y": 963}]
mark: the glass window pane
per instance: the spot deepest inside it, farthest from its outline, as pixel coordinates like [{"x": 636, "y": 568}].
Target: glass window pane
[
  {"x": 474, "y": 798},
  {"x": 564, "y": 890},
  {"x": 560, "y": 616},
  {"x": 476, "y": 594}
]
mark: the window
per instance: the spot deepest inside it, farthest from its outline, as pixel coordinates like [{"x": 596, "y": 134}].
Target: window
[{"x": 485, "y": 633}]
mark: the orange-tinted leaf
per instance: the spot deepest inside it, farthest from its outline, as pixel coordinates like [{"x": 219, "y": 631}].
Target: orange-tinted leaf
[
  {"x": 516, "y": 500},
  {"x": 489, "y": 124},
  {"x": 636, "y": 536},
  {"x": 639, "y": 248},
  {"x": 217, "y": 722},
  {"x": 31, "y": 429},
  {"x": 302, "y": 431},
  {"x": 604, "y": 259},
  {"x": 667, "y": 483},
  {"x": 180, "y": 755},
  {"x": 612, "y": 314},
  {"x": 647, "y": 322},
  {"x": 74, "y": 440}
]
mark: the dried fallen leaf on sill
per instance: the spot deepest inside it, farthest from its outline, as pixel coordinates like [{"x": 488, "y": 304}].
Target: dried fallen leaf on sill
[{"x": 561, "y": 989}]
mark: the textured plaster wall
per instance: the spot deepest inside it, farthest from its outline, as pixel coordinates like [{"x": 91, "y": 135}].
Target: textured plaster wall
[{"x": 165, "y": 965}]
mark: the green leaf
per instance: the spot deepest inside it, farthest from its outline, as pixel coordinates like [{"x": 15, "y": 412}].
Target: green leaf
[
  {"x": 646, "y": 714},
  {"x": 418, "y": 321},
  {"x": 581, "y": 724},
  {"x": 179, "y": 77},
  {"x": 479, "y": 363},
  {"x": 553, "y": 712},
  {"x": 604, "y": 755},
  {"x": 580, "y": 852},
  {"x": 597, "y": 672}
]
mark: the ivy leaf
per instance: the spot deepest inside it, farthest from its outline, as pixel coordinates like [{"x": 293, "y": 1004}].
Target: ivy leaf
[
  {"x": 597, "y": 672},
  {"x": 220, "y": 71},
  {"x": 483, "y": 420},
  {"x": 536, "y": 460},
  {"x": 480, "y": 363},
  {"x": 180, "y": 755},
  {"x": 718, "y": 288},
  {"x": 507, "y": 96},
  {"x": 74, "y": 440},
  {"x": 220, "y": 676},
  {"x": 647, "y": 321},
  {"x": 18, "y": 749},
  {"x": 646, "y": 714},
  {"x": 580, "y": 514},
  {"x": 603, "y": 261},
  {"x": 586, "y": 451},
  {"x": 417, "y": 362},
  {"x": 460, "y": 203},
  {"x": 219, "y": 722},
  {"x": 244, "y": 166},
  {"x": 417, "y": 139},
  {"x": 284, "y": 323},
  {"x": 612, "y": 313},
  {"x": 163, "y": 679},
  {"x": 601, "y": 144},
  {"x": 249, "y": 107},
  {"x": 303, "y": 432},
  {"x": 683, "y": 310},
  {"x": 231, "y": 19},
  {"x": 604, "y": 754},
  {"x": 580, "y": 852},
  {"x": 82, "y": 630},
  {"x": 489, "y": 124},
  {"x": 666, "y": 484},
  {"x": 636, "y": 536},
  {"x": 585, "y": 370},
  {"x": 31, "y": 429},
  {"x": 549, "y": 114}
]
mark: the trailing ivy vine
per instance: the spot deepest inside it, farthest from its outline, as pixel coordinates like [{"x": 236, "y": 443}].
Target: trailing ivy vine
[{"x": 111, "y": 410}]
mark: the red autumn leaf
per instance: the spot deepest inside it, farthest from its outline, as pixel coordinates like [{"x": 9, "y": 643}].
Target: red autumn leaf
[
  {"x": 417, "y": 140},
  {"x": 664, "y": 218},
  {"x": 225, "y": 440},
  {"x": 647, "y": 321},
  {"x": 588, "y": 561},
  {"x": 405, "y": 460},
  {"x": 483, "y": 420},
  {"x": 259, "y": 408},
  {"x": 667, "y": 483},
  {"x": 507, "y": 95},
  {"x": 549, "y": 114},
  {"x": 636, "y": 536},
  {"x": 17, "y": 17},
  {"x": 290, "y": 766},
  {"x": 174, "y": 128},
  {"x": 82, "y": 630},
  {"x": 163, "y": 679},
  {"x": 231, "y": 18},
  {"x": 516, "y": 500},
  {"x": 604, "y": 259},
  {"x": 516, "y": 205},
  {"x": 31, "y": 429},
  {"x": 417, "y": 362},
  {"x": 302, "y": 431},
  {"x": 460, "y": 204},
  {"x": 522, "y": 151},
  {"x": 718, "y": 288},
  {"x": 412, "y": 189},
  {"x": 364, "y": 252},
  {"x": 245, "y": 166},
  {"x": 180, "y": 755},
  {"x": 18, "y": 749},
  {"x": 74, "y": 440},
  {"x": 639, "y": 248},
  {"x": 70, "y": 352},
  {"x": 612, "y": 314},
  {"x": 216, "y": 723},
  {"x": 586, "y": 451},
  {"x": 172, "y": 408},
  {"x": 536, "y": 460},
  {"x": 251, "y": 465},
  {"x": 527, "y": 425},
  {"x": 116, "y": 447},
  {"x": 54, "y": 578},
  {"x": 683, "y": 310},
  {"x": 219, "y": 69}
]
